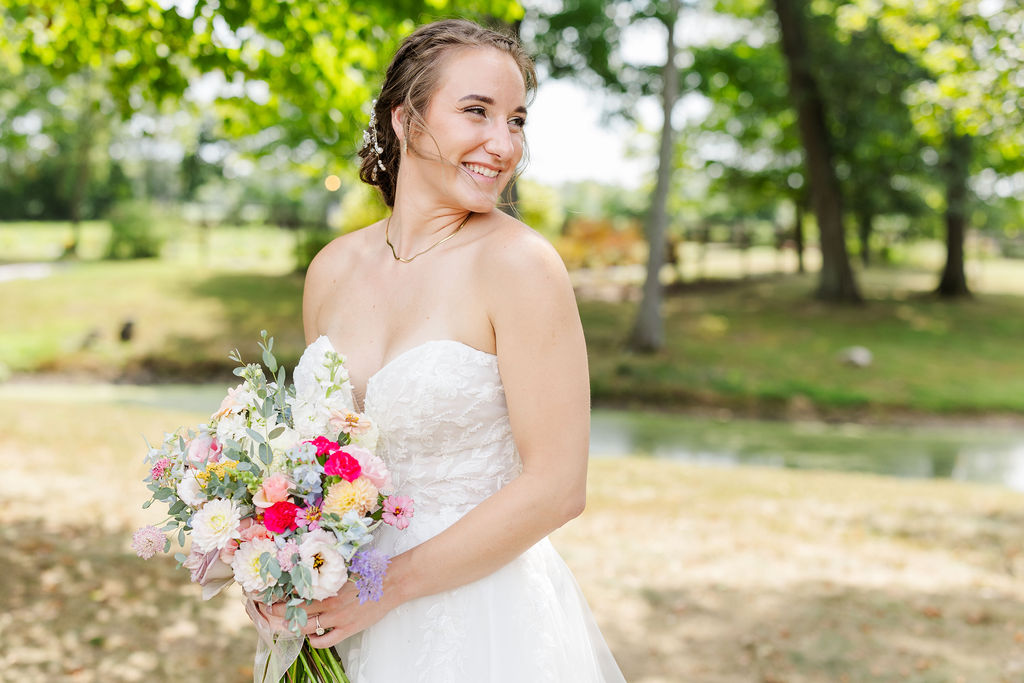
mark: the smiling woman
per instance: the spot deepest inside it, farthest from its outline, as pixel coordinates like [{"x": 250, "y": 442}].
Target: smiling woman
[{"x": 463, "y": 344}]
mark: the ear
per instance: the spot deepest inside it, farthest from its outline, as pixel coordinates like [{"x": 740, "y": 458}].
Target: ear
[{"x": 398, "y": 122}]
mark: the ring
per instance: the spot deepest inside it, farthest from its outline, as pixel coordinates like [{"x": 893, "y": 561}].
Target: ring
[{"x": 319, "y": 629}]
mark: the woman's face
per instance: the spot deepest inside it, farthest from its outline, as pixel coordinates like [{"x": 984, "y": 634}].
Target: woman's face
[{"x": 475, "y": 122}]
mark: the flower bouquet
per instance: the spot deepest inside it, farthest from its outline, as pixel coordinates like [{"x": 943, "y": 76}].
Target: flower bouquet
[{"x": 280, "y": 492}]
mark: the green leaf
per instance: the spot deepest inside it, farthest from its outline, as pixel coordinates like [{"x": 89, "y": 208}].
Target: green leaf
[
  {"x": 254, "y": 435},
  {"x": 265, "y": 455}
]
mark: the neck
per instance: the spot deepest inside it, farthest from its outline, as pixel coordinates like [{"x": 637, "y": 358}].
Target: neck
[{"x": 417, "y": 222}]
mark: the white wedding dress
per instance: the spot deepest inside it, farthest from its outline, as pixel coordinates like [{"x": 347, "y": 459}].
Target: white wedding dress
[{"x": 445, "y": 435}]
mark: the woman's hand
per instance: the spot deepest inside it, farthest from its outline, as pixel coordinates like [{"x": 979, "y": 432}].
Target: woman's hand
[{"x": 340, "y": 616}]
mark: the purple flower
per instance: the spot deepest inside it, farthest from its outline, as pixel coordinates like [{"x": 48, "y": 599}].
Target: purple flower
[
  {"x": 148, "y": 541},
  {"x": 371, "y": 566}
]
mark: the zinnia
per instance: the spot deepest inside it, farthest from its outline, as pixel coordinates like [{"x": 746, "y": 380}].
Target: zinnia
[{"x": 397, "y": 511}]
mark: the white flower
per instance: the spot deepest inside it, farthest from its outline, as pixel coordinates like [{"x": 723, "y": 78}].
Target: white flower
[
  {"x": 190, "y": 491},
  {"x": 367, "y": 439},
  {"x": 318, "y": 551},
  {"x": 232, "y": 427},
  {"x": 286, "y": 440},
  {"x": 246, "y": 564},
  {"x": 215, "y": 524}
]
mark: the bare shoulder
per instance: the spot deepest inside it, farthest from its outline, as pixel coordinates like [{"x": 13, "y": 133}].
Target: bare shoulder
[
  {"x": 327, "y": 272},
  {"x": 515, "y": 255},
  {"x": 340, "y": 252}
]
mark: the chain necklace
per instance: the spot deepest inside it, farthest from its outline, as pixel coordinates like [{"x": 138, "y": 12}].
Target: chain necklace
[{"x": 387, "y": 239}]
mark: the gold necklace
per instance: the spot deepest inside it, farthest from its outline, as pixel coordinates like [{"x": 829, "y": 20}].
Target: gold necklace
[{"x": 387, "y": 226}]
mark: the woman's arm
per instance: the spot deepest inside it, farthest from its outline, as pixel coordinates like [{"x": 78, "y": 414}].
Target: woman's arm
[{"x": 543, "y": 364}]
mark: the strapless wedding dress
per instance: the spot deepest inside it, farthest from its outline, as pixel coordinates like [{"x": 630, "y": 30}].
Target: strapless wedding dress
[{"x": 445, "y": 435}]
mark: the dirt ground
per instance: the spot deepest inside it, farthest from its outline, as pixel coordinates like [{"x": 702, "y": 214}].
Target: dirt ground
[{"x": 694, "y": 574}]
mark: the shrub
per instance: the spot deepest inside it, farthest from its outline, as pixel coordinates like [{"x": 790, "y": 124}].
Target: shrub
[{"x": 134, "y": 231}]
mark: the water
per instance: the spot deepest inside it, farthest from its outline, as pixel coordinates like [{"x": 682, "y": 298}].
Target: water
[{"x": 981, "y": 454}]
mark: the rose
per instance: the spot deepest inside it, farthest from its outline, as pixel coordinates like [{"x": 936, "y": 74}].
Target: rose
[
  {"x": 209, "y": 571},
  {"x": 202, "y": 449},
  {"x": 343, "y": 465},
  {"x": 280, "y": 517},
  {"x": 274, "y": 489}
]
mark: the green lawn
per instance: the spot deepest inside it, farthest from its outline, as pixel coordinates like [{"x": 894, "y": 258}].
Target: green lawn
[
  {"x": 768, "y": 345},
  {"x": 761, "y": 346}
]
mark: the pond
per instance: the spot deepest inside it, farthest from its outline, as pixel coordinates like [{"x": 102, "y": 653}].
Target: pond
[{"x": 982, "y": 454}]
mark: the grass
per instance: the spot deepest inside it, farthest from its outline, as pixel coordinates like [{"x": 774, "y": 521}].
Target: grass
[
  {"x": 760, "y": 346},
  {"x": 766, "y": 346},
  {"x": 699, "y": 574}
]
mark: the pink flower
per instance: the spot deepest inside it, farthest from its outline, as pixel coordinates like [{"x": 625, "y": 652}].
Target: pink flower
[
  {"x": 373, "y": 468},
  {"x": 227, "y": 553},
  {"x": 159, "y": 468},
  {"x": 324, "y": 446},
  {"x": 280, "y": 517},
  {"x": 397, "y": 511},
  {"x": 349, "y": 423},
  {"x": 286, "y": 555},
  {"x": 274, "y": 489},
  {"x": 202, "y": 449},
  {"x": 309, "y": 517},
  {"x": 343, "y": 465},
  {"x": 251, "y": 530},
  {"x": 233, "y": 402},
  {"x": 148, "y": 541},
  {"x": 206, "y": 567}
]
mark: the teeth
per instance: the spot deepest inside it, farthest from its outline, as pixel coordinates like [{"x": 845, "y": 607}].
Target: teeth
[{"x": 490, "y": 173}]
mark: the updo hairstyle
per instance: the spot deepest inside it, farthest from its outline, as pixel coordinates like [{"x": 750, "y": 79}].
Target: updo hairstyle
[{"x": 410, "y": 81}]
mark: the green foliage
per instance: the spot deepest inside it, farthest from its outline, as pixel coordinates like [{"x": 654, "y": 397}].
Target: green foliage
[
  {"x": 135, "y": 231},
  {"x": 540, "y": 207}
]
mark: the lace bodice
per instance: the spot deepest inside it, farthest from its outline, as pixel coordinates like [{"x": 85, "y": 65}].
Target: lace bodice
[{"x": 445, "y": 434}]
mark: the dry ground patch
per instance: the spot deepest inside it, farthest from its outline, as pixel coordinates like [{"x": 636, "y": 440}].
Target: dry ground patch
[{"x": 695, "y": 574}]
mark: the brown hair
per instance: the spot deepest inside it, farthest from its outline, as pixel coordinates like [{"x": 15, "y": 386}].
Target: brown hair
[{"x": 411, "y": 79}]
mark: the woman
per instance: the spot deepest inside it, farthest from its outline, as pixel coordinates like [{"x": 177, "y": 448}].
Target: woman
[{"x": 464, "y": 345}]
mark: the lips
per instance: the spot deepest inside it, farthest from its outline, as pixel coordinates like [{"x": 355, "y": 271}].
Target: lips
[{"x": 482, "y": 170}]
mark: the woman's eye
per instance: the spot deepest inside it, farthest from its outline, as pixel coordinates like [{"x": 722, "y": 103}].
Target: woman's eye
[
  {"x": 517, "y": 121},
  {"x": 479, "y": 111}
]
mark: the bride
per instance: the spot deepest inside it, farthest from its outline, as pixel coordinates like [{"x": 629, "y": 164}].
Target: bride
[{"x": 464, "y": 345}]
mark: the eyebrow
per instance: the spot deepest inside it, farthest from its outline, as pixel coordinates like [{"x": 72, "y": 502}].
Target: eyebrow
[{"x": 490, "y": 100}]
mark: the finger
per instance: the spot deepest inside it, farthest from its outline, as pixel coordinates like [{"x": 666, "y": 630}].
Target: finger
[{"x": 328, "y": 639}]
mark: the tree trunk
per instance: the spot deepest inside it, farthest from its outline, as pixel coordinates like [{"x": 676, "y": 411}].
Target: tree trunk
[
  {"x": 864, "y": 229},
  {"x": 836, "y": 281},
  {"x": 954, "y": 280},
  {"x": 648, "y": 333},
  {"x": 798, "y": 237}
]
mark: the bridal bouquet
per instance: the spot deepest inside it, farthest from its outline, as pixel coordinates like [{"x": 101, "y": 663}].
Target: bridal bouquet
[{"x": 280, "y": 492}]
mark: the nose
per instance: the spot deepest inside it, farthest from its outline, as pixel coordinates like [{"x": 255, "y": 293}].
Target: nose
[{"x": 499, "y": 141}]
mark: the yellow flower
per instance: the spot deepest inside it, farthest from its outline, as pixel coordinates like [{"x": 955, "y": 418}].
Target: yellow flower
[
  {"x": 359, "y": 495},
  {"x": 221, "y": 469}
]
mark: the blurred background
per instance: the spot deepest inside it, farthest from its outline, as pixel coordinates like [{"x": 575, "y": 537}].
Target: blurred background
[{"x": 796, "y": 233}]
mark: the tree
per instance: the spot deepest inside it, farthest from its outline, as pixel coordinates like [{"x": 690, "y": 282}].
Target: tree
[
  {"x": 581, "y": 40},
  {"x": 300, "y": 74},
  {"x": 836, "y": 281},
  {"x": 970, "y": 51}
]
